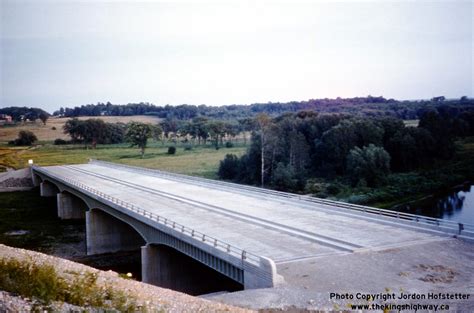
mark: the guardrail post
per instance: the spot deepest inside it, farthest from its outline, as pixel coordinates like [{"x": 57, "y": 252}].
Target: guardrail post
[
  {"x": 244, "y": 255},
  {"x": 461, "y": 227}
]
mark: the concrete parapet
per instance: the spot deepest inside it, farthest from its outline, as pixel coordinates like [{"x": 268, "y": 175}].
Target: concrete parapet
[{"x": 262, "y": 276}]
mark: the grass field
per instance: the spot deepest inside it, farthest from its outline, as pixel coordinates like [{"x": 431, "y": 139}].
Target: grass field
[
  {"x": 200, "y": 161},
  {"x": 48, "y": 133}
]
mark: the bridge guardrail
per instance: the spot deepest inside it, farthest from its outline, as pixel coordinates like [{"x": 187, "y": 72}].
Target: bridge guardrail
[
  {"x": 457, "y": 228},
  {"x": 244, "y": 255}
]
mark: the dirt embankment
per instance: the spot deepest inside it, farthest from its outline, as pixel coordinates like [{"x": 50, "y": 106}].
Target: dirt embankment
[
  {"x": 15, "y": 180},
  {"x": 148, "y": 298}
]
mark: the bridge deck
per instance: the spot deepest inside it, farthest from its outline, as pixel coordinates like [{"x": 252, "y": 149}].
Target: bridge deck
[{"x": 268, "y": 226}]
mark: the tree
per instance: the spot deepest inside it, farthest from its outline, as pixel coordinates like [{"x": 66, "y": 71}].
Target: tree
[
  {"x": 137, "y": 134},
  {"x": 263, "y": 122},
  {"x": 25, "y": 138},
  {"x": 43, "y": 116},
  {"x": 156, "y": 132},
  {"x": 370, "y": 164},
  {"x": 75, "y": 128}
]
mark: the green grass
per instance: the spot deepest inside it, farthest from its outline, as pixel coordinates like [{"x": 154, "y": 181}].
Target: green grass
[
  {"x": 200, "y": 161},
  {"x": 26, "y": 210}
]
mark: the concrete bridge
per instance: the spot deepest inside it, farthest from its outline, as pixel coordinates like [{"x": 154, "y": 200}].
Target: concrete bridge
[{"x": 190, "y": 229}]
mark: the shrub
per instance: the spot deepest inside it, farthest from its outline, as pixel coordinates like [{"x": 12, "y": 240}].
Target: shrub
[
  {"x": 229, "y": 167},
  {"x": 53, "y": 128},
  {"x": 171, "y": 150},
  {"x": 41, "y": 281},
  {"x": 333, "y": 189},
  {"x": 283, "y": 177},
  {"x": 31, "y": 280},
  {"x": 25, "y": 138},
  {"x": 229, "y": 144},
  {"x": 60, "y": 141}
]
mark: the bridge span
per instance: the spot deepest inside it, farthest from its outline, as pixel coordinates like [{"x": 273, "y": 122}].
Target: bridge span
[{"x": 244, "y": 233}]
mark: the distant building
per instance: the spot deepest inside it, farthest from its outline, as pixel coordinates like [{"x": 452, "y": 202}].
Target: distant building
[{"x": 5, "y": 119}]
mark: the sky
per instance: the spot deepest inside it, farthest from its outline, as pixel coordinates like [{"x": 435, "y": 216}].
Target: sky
[{"x": 69, "y": 53}]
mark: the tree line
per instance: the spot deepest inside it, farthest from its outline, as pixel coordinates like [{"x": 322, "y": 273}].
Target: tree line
[
  {"x": 286, "y": 151},
  {"x": 361, "y": 106},
  {"x": 198, "y": 131}
]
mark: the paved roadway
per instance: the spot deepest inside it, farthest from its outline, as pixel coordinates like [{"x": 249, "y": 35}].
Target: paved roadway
[{"x": 281, "y": 229}]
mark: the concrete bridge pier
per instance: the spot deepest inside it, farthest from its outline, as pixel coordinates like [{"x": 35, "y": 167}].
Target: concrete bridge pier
[
  {"x": 70, "y": 206},
  {"x": 48, "y": 189},
  {"x": 106, "y": 234}
]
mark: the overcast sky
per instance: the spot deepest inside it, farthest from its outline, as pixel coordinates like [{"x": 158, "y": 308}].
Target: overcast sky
[{"x": 68, "y": 53}]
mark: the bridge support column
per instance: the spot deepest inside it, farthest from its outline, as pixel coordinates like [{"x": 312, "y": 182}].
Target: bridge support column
[
  {"x": 156, "y": 267},
  {"x": 70, "y": 207},
  {"x": 47, "y": 189},
  {"x": 106, "y": 234}
]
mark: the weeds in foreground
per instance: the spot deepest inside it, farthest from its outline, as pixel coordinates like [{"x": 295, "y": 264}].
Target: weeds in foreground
[{"x": 42, "y": 282}]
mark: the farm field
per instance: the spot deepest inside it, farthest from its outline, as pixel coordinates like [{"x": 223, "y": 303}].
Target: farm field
[
  {"x": 54, "y": 126},
  {"x": 200, "y": 161}
]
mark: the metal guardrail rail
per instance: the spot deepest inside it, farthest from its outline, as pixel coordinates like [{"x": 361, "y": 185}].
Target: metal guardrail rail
[
  {"x": 446, "y": 226},
  {"x": 244, "y": 255}
]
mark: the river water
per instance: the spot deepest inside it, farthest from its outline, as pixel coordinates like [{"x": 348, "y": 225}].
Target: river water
[{"x": 456, "y": 204}]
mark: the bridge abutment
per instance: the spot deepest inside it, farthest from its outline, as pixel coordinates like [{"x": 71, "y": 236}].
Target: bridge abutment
[
  {"x": 70, "y": 206},
  {"x": 47, "y": 189},
  {"x": 106, "y": 234}
]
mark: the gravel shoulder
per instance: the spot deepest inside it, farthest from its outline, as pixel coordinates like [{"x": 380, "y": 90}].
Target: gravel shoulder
[
  {"x": 16, "y": 180},
  {"x": 442, "y": 266}
]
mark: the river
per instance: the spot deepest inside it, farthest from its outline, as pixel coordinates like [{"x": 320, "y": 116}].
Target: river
[{"x": 456, "y": 204}]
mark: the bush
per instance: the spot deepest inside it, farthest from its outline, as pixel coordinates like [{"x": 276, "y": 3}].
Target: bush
[
  {"x": 41, "y": 281},
  {"x": 25, "y": 138},
  {"x": 53, "y": 128},
  {"x": 333, "y": 189},
  {"x": 171, "y": 150},
  {"x": 229, "y": 167},
  {"x": 31, "y": 280},
  {"x": 229, "y": 144},
  {"x": 368, "y": 166},
  {"x": 283, "y": 177},
  {"x": 60, "y": 141}
]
